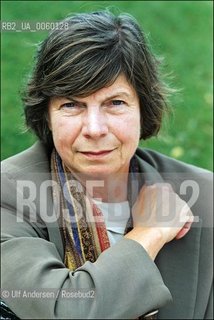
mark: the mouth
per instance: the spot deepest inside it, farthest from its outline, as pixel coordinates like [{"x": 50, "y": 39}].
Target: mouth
[{"x": 96, "y": 154}]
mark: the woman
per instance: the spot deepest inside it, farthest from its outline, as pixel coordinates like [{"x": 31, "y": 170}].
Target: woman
[{"x": 93, "y": 226}]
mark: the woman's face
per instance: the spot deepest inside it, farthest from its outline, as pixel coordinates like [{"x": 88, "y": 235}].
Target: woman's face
[{"x": 97, "y": 135}]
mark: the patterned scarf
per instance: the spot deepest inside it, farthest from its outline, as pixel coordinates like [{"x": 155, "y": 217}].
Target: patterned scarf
[{"x": 82, "y": 223}]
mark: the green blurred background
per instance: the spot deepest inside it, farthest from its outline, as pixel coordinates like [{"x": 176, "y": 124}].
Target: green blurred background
[{"x": 180, "y": 31}]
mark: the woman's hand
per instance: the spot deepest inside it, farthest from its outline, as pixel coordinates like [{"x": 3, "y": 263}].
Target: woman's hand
[{"x": 159, "y": 215}]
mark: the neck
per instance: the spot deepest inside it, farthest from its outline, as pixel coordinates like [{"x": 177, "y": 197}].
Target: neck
[
  {"x": 107, "y": 189},
  {"x": 113, "y": 190}
]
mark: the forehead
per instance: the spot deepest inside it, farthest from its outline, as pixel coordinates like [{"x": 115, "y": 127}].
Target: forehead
[{"x": 120, "y": 87}]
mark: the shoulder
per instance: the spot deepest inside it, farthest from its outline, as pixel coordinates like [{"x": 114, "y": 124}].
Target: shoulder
[
  {"x": 27, "y": 170},
  {"x": 25, "y": 180},
  {"x": 174, "y": 170},
  {"x": 163, "y": 163},
  {"x": 34, "y": 159},
  {"x": 193, "y": 184}
]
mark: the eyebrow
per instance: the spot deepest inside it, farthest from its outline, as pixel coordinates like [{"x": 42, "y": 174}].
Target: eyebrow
[
  {"x": 107, "y": 97},
  {"x": 119, "y": 93}
]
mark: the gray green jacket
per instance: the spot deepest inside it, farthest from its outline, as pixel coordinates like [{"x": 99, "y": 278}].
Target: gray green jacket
[{"x": 125, "y": 281}]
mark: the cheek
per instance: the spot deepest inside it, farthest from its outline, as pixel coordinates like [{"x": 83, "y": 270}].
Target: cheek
[
  {"x": 64, "y": 134},
  {"x": 128, "y": 130}
]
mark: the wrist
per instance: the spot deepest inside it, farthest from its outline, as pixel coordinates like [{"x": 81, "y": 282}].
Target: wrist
[{"x": 150, "y": 238}]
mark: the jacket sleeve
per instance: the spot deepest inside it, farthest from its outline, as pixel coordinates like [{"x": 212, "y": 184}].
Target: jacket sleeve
[{"x": 123, "y": 283}]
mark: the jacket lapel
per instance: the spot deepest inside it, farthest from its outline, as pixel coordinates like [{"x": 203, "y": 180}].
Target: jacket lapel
[{"x": 178, "y": 262}]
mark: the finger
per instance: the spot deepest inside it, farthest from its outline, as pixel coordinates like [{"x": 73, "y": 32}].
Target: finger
[{"x": 184, "y": 230}]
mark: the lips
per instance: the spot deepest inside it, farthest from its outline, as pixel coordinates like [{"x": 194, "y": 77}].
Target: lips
[{"x": 96, "y": 154}]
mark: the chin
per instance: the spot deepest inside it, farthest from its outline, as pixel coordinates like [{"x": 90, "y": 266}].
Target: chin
[{"x": 98, "y": 173}]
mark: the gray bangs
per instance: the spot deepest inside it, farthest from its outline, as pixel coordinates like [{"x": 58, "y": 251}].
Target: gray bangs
[
  {"x": 82, "y": 59},
  {"x": 89, "y": 72}
]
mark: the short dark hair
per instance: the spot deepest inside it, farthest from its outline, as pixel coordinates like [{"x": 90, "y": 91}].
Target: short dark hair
[{"x": 89, "y": 53}]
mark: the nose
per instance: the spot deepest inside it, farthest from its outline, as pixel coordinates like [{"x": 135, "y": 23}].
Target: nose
[{"x": 94, "y": 123}]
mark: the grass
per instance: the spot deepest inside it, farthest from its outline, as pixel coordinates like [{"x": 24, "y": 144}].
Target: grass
[{"x": 181, "y": 31}]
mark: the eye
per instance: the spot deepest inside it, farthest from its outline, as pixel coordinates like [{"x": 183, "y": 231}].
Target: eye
[
  {"x": 116, "y": 106},
  {"x": 117, "y": 102},
  {"x": 68, "y": 105}
]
